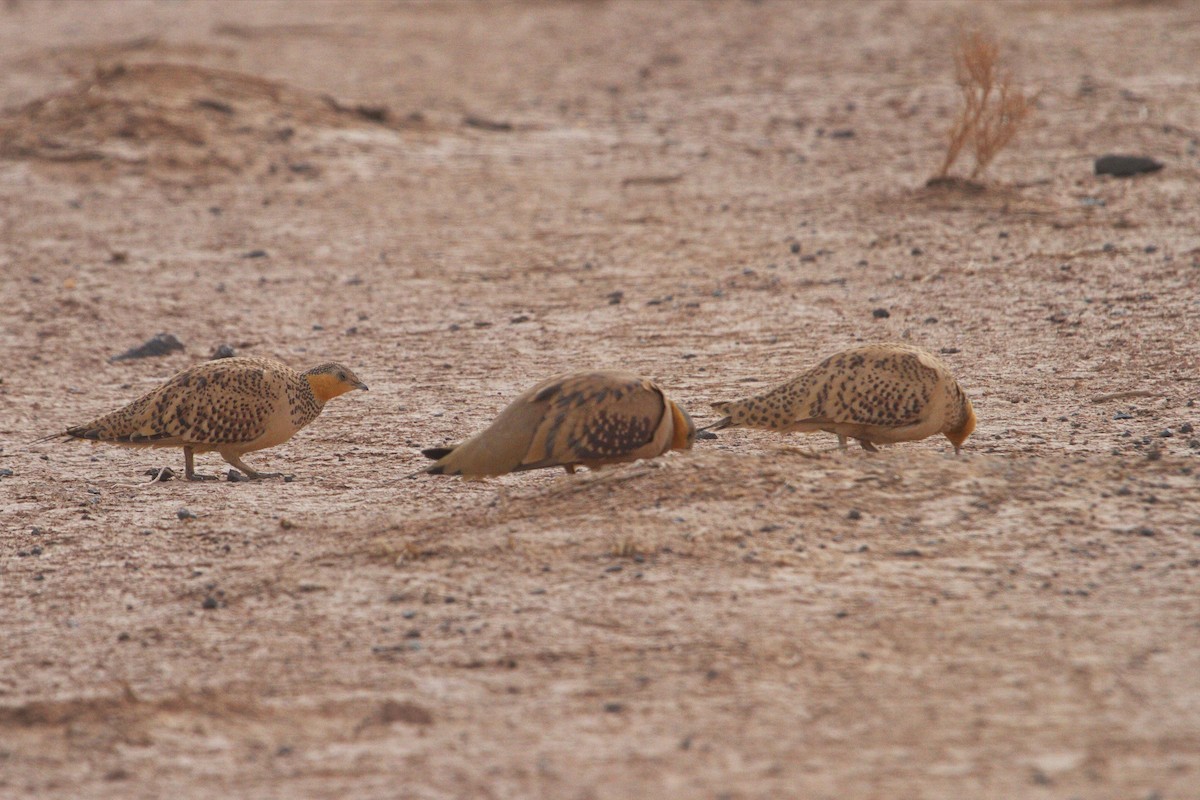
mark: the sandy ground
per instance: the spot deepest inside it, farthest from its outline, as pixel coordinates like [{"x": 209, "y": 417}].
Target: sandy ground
[{"x": 459, "y": 199}]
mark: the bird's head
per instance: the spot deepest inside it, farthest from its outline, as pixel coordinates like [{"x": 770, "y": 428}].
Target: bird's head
[
  {"x": 959, "y": 433},
  {"x": 329, "y": 380},
  {"x": 684, "y": 429}
]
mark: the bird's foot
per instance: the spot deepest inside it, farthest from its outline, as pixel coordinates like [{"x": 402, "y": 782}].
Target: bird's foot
[
  {"x": 870, "y": 448},
  {"x": 258, "y": 476},
  {"x": 196, "y": 476}
]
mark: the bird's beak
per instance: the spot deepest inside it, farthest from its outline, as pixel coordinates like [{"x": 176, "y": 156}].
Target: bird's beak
[{"x": 361, "y": 385}]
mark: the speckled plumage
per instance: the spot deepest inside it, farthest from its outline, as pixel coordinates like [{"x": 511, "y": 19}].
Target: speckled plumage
[
  {"x": 877, "y": 394},
  {"x": 231, "y": 406},
  {"x": 586, "y": 418}
]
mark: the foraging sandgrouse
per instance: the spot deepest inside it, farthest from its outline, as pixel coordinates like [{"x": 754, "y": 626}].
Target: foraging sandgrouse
[
  {"x": 877, "y": 394},
  {"x": 582, "y": 419}
]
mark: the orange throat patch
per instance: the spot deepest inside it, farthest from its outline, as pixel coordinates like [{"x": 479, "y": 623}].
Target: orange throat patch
[{"x": 326, "y": 387}]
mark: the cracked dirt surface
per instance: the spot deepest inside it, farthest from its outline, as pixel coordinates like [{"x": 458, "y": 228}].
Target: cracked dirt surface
[{"x": 460, "y": 199}]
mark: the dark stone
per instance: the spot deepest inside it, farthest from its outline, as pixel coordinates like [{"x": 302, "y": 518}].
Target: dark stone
[
  {"x": 209, "y": 603},
  {"x": 158, "y": 345},
  {"x": 255, "y": 254},
  {"x": 223, "y": 351},
  {"x": 1124, "y": 166},
  {"x": 183, "y": 513},
  {"x": 881, "y": 313}
]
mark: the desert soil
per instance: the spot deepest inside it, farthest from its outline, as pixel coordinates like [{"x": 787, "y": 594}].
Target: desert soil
[{"x": 460, "y": 199}]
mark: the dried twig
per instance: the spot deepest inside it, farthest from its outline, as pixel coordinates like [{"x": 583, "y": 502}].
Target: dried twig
[
  {"x": 1104, "y": 398},
  {"x": 993, "y": 109}
]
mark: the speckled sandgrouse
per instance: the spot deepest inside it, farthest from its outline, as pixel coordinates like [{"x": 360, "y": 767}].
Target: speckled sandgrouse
[
  {"x": 877, "y": 394},
  {"x": 581, "y": 419},
  {"x": 231, "y": 406}
]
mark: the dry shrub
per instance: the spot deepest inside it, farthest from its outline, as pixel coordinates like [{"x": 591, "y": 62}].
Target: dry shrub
[{"x": 992, "y": 108}]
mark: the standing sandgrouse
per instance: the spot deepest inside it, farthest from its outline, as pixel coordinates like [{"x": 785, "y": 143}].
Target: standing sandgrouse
[
  {"x": 876, "y": 393},
  {"x": 584, "y": 418},
  {"x": 231, "y": 406}
]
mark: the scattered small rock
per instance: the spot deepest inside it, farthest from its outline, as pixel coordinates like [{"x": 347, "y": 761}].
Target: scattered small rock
[
  {"x": 517, "y": 320},
  {"x": 1186, "y": 428},
  {"x": 472, "y": 121},
  {"x": 183, "y": 513},
  {"x": 158, "y": 345},
  {"x": 235, "y": 476},
  {"x": 223, "y": 351},
  {"x": 881, "y": 313},
  {"x": 1122, "y": 415},
  {"x": 795, "y": 247},
  {"x": 854, "y": 513},
  {"x": 209, "y": 603},
  {"x": 160, "y": 475},
  {"x": 255, "y": 254},
  {"x": 1123, "y": 166},
  {"x": 403, "y": 711},
  {"x": 286, "y": 523},
  {"x": 6, "y": 473},
  {"x": 615, "y": 297},
  {"x": 614, "y": 568},
  {"x": 949, "y": 351},
  {"x": 614, "y": 708},
  {"x": 842, "y": 133},
  {"x": 1166, "y": 433}
]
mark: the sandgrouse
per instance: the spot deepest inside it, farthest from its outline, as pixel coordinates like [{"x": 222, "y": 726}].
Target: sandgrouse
[
  {"x": 584, "y": 418},
  {"x": 231, "y": 406},
  {"x": 877, "y": 394}
]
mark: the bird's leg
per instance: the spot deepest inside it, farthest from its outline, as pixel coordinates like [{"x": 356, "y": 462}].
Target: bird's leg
[
  {"x": 189, "y": 467},
  {"x": 841, "y": 441},
  {"x": 870, "y": 448},
  {"x": 253, "y": 475},
  {"x": 570, "y": 468}
]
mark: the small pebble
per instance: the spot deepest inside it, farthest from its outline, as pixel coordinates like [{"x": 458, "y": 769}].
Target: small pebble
[
  {"x": 209, "y": 603},
  {"x": 235, "y": 476},
  {"x": 795, "y": 248},
  {"x": 854, "y": 513},
  {"x": 614, "y": 708},
  {"x": 1124, "y": 166},
  {"x": 615, "y": 298},
  {"x": 223, "y": 351},
  {"x": 881, "y": 313},
  {"x": 1166, "y": 433},
  {"x": 1186, "y": 428},
  {"x": 1122, "y": 415},
  {"x": 183, "y": 513},
  {"x": 6, "y": 473},
  {"x": 255, "y": 254}
]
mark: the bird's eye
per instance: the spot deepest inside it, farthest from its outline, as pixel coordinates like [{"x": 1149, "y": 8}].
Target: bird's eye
[{"x": 341, "y": 376}]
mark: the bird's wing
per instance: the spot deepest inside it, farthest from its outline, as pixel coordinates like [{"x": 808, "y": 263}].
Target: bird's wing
[
  {"x": 594, "y": 417},
  {"x": 889, "y": 388},
  {"x": 214, "y": 403}
]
